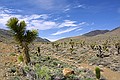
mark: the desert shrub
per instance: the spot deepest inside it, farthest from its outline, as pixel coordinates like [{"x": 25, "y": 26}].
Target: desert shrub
[
  {"x": 89, "y": 79},
  {"x": 48, "y": 58},
  {"x": 43, "y": 73},
  {"x": 12, "y": 54},
  {"x": 13, "y": 70},
  {"x": 55, "y": 63},
  {"x": 57, "y": 46},
  {"x": 117, "y": 45},
  {"x": 72, "y": 77},
  {"x": 16, "y": 78},
  {"x": 26, "y": 68},
  {"x": 20, "y": 58}
]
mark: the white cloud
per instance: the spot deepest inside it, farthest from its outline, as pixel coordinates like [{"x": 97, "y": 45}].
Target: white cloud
[
  {"x": 67, "y": 23},
  {"x": 64, "y": 31},
  {"x": 65, "y": 10},
  {"x": 7, "y": 10},
  {"x": 33, "y": 21},
  {"x": 80, "y": 6},
  {"x": 40, "y": 22},
  {"x": 82, "y": 23},
  {"x": 42, "y": 25},
  {"x": 79, "y": 29},
  {"x": 57, "y": 18},
  {"x": 49, "y": 4}
]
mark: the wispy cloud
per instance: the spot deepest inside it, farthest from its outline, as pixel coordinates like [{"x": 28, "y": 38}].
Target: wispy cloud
[
  {"x": 49, "y": 4},
  {"x": 67, "y": 23},
  {"x": 33, "y": 21},
  {"x": 65, "y": 10},
  {"x": 80, "y": 6},
  {"x": 64, "y": 31},
  {"x": 79, "y": 29},
  {"x": 42, "y": 25},
  {"x": 8, "y": 10},
  {"x": 40, "y": 22}
]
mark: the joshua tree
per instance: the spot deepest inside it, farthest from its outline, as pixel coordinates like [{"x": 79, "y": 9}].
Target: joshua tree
[{"x": 22, "y": 36}]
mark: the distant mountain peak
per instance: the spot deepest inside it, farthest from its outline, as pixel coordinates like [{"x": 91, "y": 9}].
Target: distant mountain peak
[{"x": 95, "y": 32}]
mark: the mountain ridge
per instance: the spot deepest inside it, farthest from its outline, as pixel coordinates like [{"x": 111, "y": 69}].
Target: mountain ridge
[
  {"x": 7, "y": 35},
  {"x": 95, "y": 32},
  {"x": 104, "y": 35}
]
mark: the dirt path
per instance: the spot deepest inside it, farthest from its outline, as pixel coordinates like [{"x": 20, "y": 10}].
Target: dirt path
[{"x": 107, "y": 73}]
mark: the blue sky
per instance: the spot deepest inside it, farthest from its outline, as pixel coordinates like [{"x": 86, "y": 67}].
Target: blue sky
[{"x": 57, "y": 19}]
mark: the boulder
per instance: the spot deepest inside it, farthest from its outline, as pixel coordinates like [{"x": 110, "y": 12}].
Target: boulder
[{"x": 67, "y": 71}]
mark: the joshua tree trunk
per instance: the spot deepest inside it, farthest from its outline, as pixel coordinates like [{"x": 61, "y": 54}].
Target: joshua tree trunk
[{"x": 26, "y": 55}]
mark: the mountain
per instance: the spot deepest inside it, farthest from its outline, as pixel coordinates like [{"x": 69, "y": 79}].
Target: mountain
[
  {"x": 95, "y": 32},
  {"x": 115, "y": 29},
  {"x": 6, "y": 36},
  {"x": 96, "y": 36},
  {"x": 39, "y": 39}
]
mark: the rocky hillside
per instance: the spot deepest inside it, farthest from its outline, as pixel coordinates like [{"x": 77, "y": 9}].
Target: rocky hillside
[
  {"x": 6, "y": 35},
  {"x": 97, "y": 35},
  {"x": 96, "y": 32}
]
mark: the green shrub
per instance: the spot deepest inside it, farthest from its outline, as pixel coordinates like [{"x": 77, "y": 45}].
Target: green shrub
[
  {"x": 72, "y": 77},
  {"x": 43, "y": 72},
  {"x": 27, "y": 68},
  {"x": 16, "y": 78},
  {"x": 55, "y": 63},
  {"x": 20, "y": 58},
  {"x": 12, "y": 54},
  {"x": 13, "y": 70},
  {"x": 97, "y": 71},
  {"x": 89, "y": 79}
]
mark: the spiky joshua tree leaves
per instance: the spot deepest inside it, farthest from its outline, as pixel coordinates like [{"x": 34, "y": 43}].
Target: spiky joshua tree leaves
[{"x": 22, "y": 36}]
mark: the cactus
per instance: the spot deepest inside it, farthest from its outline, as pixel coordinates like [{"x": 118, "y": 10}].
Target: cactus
[
  {"x": 65, "y": 44},
  {"x": 57, "y": 45},
  {"x": 117, "y": 45},
  {"x": 38, "y": 51},
  {"x": 20, "y": 58},
  {"x": 71, "y": 50},
  {"x": 97, "y": 71},
  {"x": 71, "y": 43},
  {"x": 92, "y": 46},
  {"x": 53, "y": 45},
  {"x": 99, "y": 48},
  {"x": 106, "y": 45}
]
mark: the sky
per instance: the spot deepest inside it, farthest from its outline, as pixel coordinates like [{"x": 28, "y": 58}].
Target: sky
[{"x": 56, "y": 19}]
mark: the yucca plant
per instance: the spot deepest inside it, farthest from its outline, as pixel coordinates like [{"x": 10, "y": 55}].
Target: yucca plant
[{"x": 22, "y": 36}]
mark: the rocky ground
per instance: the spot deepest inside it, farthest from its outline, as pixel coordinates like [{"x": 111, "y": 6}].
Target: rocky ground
[{"x": 51, "y": 62}]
